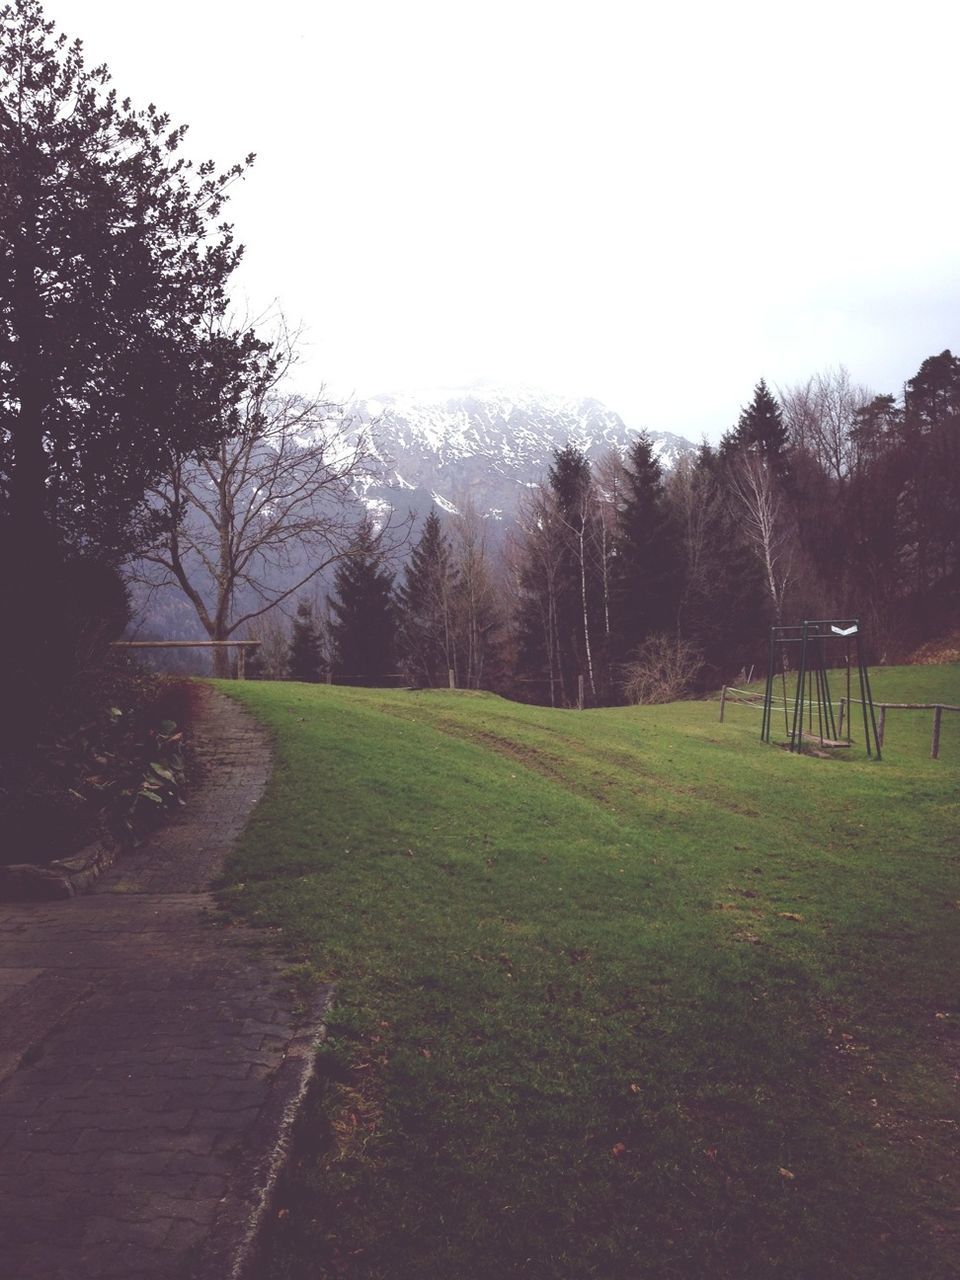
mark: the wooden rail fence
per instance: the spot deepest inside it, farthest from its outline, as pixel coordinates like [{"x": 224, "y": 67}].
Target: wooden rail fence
[
  {"x": 730, "y": 694},
  {"x": 241, "y": 647}
]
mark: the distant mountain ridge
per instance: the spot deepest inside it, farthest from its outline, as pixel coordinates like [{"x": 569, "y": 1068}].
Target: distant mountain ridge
[
  {"x": 486, "y": 445},
  {"x": 482, "y": 444}
]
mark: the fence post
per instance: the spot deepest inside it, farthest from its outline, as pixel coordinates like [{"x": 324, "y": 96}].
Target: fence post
[
  {"x": 580, "y": 692},
  {"x": 723, "y": 699},
  {"x": 329, "y": 675},
  {"x": 843, "y": 702},
  {"x": 881, "y": 724},
  {"x": 451, "y": 677},
  {"x": 935, "y": 741},
  {"x": 241, "y": 662}
]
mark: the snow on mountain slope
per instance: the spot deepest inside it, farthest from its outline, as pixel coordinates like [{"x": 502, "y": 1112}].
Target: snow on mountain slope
[{"x": 482, "y": 444}]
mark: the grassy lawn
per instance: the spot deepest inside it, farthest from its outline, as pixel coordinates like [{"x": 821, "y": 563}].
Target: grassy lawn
[{"x": 621, "y": 993}]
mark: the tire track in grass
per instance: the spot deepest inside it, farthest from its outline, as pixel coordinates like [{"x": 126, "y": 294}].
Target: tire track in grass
[{"x": 647, "y": 786}]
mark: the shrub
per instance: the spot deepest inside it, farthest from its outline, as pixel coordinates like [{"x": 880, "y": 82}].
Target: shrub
[{"x": 664, "y": 669}]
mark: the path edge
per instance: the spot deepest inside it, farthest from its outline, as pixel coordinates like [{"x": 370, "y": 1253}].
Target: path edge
[{"x": 231, "y": 1251}]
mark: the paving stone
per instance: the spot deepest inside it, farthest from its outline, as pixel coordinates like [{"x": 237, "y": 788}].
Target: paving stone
[{"x": 149, "y": 1064}]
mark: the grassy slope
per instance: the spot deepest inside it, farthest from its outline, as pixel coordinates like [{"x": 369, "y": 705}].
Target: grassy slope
[{"x": 581, "y": 1031}]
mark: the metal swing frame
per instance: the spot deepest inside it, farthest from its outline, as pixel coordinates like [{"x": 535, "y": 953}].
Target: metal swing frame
[{"x": 812, "y": 638}]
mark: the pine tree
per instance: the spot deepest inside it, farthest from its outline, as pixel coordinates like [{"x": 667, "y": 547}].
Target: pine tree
[
  {"x": 304, "y": 659},
  {"x": 929, "y": 508},
  {"x": 647, "y": 567},
  {"x": 364, "y": 622},
  {"x": 761, "y": 430},
  {"x": 427, "y": 600}
]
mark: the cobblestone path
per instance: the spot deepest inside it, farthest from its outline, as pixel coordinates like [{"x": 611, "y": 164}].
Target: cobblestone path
[{"x": 150, "y": 1061}]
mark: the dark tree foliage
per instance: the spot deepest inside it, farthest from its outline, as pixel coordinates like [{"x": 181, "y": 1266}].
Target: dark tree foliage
[
  {"x": 760, "y": 429},
  {"x": 364, "y": 615},
  {"x": 569, "y": 478},
  {"x": 929, "y": 508},
  {"x": 113, "y": 272},
  {"x": 305, "y": 658},
  {"x": 427, "y": 598},
  {"x": 723, "y": 610},
  {"x": 879, "y": 540},
  {"x": 647, "y": 567}
]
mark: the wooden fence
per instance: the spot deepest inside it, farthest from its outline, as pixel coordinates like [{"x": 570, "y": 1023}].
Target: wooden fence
[
  {"x": 729, "y": 694},
  {"x": 241, "y": 647}
]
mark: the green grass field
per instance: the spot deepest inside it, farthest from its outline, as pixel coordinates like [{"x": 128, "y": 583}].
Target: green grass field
[{"x": 621, "y": 993}]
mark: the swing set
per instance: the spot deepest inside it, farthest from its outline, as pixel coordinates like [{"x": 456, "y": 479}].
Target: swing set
[{"x": 818, "y": 647}]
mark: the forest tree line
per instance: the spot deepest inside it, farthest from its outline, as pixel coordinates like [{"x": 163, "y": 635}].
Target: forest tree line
[
  {"x": 620, "y": 583},
  {"x": 148, "y": 431}
]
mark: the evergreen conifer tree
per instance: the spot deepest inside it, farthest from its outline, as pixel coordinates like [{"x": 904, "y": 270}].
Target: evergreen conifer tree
[
  {"x": 364, "y": 622},
  {"x": 647, "y": 567},
  {"x": 761, "y": 429},
  {"x": 427, "y": 601},
  {"x": 305, "y": 660}
]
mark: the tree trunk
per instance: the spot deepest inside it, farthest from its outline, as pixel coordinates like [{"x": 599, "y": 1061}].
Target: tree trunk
[{"x": 583, "y": 600}]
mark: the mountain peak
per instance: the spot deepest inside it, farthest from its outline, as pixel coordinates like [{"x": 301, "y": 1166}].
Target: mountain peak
[{"x": 484, "y": 444}]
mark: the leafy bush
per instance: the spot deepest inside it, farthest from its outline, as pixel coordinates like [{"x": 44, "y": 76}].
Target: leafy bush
[{"x": 112, "y": 767}]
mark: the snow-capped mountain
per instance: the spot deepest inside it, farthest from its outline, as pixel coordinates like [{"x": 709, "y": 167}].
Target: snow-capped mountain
[{"x": 484, "y": 445}]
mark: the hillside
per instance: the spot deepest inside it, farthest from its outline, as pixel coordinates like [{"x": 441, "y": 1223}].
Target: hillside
[{"x": 621, "y": 993}]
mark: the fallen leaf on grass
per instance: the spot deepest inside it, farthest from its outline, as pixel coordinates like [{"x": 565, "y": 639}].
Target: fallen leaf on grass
[
  {"x": 790, "y": 915},
  {"x": 425, "y": 1053},
  {"x": 618, "y": 1149},
  {"x": 786, "y": 1173}
]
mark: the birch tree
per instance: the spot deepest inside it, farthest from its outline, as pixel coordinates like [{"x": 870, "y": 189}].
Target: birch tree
[{"x": 766, "y": 524}]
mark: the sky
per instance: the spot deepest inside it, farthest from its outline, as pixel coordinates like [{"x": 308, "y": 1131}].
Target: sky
[{"x": 652, "y": 204}]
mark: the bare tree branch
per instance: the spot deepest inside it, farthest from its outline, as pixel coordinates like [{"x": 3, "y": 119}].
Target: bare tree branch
[{"x": 267, "y": 513}]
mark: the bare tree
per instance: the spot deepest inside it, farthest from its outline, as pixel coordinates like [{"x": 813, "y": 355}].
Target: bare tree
[
  {"x": 821, "y": 417},
  {"x": 248, "y": 527},
  {"x": 757, "y": 493},
  {"x": 537, "y": 571},
  {"x": 478, "y": 606},
  {"x": 576, "y": 523},
  {"x": 273, "y": 631},
  {"x": 608, "y": 474},
  {"x": 696, "y": 502}
]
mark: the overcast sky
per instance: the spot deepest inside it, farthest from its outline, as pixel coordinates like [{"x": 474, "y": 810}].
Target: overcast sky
[{"x": 654, "y": 204}]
